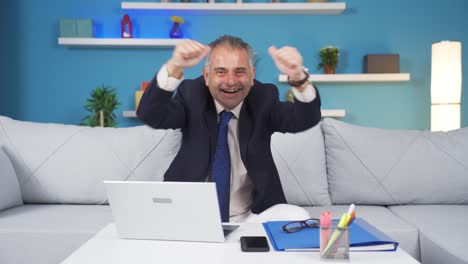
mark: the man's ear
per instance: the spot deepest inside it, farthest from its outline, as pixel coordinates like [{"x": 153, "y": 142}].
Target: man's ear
[
  {"x": 253, "y": 75},
  {"x": 205, "y": 75}
]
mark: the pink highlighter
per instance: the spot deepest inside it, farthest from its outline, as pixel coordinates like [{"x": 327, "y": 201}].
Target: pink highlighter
[{"x": 325, "y": 221}]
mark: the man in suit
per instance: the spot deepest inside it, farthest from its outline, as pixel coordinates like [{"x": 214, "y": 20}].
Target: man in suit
[{"x": 228, "y": 85}]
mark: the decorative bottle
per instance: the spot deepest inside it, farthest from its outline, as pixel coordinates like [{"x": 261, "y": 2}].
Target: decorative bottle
[
  {"x": 126, "y": 27},
  {"x": 176, "y": 31}
]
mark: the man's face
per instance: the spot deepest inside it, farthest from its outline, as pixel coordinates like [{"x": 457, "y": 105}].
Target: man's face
[{"x": 230, "y": 77}]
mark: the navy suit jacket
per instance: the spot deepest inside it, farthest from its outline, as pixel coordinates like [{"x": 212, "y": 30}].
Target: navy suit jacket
[{"x": 192, "y": 109}]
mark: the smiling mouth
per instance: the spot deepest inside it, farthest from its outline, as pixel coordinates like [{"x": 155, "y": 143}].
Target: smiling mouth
[{"x": 230, "y": 91}]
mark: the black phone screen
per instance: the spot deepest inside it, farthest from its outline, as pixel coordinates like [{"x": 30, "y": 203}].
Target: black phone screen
[{"x": 254, "y": 244}]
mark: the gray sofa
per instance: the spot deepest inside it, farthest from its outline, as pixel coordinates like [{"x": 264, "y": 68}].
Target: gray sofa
[{"x": 413, "y": 185}]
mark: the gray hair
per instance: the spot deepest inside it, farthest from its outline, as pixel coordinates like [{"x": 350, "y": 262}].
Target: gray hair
[{"x": 233, "y": 42}]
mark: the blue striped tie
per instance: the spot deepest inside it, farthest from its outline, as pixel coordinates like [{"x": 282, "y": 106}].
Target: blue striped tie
[{"x": 221, "y": 170}]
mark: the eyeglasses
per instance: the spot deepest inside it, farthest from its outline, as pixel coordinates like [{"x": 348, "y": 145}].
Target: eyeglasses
[{"x": 299, "y": 225}]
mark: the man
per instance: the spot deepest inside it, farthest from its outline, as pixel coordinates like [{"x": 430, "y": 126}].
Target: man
[{"x": 247, "y": 110}]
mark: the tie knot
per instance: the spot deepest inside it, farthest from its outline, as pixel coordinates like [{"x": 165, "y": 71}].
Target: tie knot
[{"x": 224, "y": 118}]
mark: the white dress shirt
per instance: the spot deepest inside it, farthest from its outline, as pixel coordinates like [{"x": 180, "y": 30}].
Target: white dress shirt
[{"x": 241, "y": 196}]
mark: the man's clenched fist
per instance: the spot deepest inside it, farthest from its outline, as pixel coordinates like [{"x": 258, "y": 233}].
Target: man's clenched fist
[{"x": 186, "y": 54}]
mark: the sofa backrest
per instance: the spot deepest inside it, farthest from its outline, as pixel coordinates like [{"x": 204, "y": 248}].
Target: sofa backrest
[
  {"x": 391, "y": 167},
  {"x": 58, "y": 163}
]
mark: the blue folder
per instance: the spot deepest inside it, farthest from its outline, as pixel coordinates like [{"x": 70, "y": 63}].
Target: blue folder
[{"x": 362, "y": 237}]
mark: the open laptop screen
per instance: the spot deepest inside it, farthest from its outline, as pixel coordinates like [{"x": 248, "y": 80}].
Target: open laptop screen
[{"x": 185, "y": 211}]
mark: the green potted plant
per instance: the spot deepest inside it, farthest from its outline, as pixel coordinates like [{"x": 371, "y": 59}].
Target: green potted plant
[
  {"x": 329, "y": 59},
  {"x": 101, "y": 105}
]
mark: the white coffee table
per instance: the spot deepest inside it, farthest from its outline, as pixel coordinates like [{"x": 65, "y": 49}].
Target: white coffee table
[{"x": 107, "y": 247}]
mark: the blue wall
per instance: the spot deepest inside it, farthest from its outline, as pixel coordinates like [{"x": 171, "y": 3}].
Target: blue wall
[{"x": 44, "y": 82}]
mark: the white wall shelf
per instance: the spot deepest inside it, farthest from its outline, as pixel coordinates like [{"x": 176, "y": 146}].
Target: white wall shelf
[
  {"x": 325, "y": 113},
  {"x": 242, "y": 8},
  {"x": 333, "y": 113},
  {"x": 365, "y": 77},
  {"x": 129, "y": 113},
  {"x": 118, "y": 42}
]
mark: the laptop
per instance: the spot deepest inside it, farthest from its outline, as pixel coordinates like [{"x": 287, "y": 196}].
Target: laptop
[{"x": 185, "y": 211}]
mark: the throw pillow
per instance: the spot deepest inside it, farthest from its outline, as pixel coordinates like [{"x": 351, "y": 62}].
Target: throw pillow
[
  {"x": 391, "y": 167},
  {"x": 300, "y": 160},
  {"x": 57, "y": 163}
]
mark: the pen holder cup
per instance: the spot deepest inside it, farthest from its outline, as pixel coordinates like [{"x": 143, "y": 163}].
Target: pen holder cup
[{"x": 334, "y": 243}]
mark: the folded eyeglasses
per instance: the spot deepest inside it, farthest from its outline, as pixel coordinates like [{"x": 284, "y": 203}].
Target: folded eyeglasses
[{"x": 296, "y": 226}]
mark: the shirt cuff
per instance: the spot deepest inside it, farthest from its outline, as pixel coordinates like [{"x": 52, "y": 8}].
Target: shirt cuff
[
  {"x": 167, "y": 82},
  {"x": 308, "y": 95}
]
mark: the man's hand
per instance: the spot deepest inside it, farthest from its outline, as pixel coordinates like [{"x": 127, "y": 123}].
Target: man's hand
[
  {"x": 289, "y": 61},
  {"x": 186, "y": 54}
]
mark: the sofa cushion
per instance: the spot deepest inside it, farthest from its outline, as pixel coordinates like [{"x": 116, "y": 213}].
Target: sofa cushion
[
  {"x": 442, "y": 231},
  {"x": 58, "y": 163},
  {"x": 393, "y": 167},
  {"x": 383, "y": 219},
  {"x": 300, "y": 159},
  {"x": 46, "y": 234},
  {"x": 10, "y": 194}
]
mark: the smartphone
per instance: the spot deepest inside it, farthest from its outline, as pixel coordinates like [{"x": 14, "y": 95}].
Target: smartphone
[{"x": 254, "y": 244}]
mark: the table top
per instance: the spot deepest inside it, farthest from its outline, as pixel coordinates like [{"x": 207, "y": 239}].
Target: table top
[{"x": 107, "y": 247}]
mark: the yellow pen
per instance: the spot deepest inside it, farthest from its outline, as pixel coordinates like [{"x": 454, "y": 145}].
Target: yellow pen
[{"x": 351, "y": 214}]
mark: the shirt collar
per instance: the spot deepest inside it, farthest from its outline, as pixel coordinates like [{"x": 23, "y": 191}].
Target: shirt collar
[{"x": 235, "y": 111}]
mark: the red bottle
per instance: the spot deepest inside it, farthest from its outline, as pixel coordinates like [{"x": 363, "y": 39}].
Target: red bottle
[{"x": 126, "y": 27}]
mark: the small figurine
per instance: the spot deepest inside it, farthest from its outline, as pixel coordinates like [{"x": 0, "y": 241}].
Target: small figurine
[
  {"x": 126, "y": 27},
  {"x": 176, "y": 32}
]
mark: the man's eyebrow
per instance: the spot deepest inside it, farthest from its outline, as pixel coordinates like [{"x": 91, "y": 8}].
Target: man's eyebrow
[{"x": 235, "y": 69}]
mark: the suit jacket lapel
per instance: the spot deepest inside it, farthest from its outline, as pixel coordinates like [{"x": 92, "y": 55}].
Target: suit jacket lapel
[
  {"x": 211, "y": 121},
  {"x": 245, "y": 128}
]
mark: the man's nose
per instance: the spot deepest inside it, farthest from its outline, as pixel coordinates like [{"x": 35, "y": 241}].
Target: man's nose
[{"x": 231, "y": 78}]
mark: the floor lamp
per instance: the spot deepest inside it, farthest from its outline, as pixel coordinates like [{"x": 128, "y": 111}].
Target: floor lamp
[{"x": 446, "y": 81}]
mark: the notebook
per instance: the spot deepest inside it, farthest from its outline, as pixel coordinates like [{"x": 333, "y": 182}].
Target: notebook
[
  {"x": 362, "y": 237},
  {"x": 186, "y": 211}
]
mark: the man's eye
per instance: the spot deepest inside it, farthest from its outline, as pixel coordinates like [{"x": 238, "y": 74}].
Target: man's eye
[
  {"x": 240, "y": 72},
  {"x": 220, "y": 72}
]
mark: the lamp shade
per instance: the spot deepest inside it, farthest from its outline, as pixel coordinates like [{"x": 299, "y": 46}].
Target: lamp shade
[
  {"x": 446, "y": 85},
  {"x": 446, "y": 72},
  {"x": 445, "y": 117}
]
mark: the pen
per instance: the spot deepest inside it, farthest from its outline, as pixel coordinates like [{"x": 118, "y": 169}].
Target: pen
[
  {"x": 351, "y": 209},
  {"x": 352, "y": 214}
]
